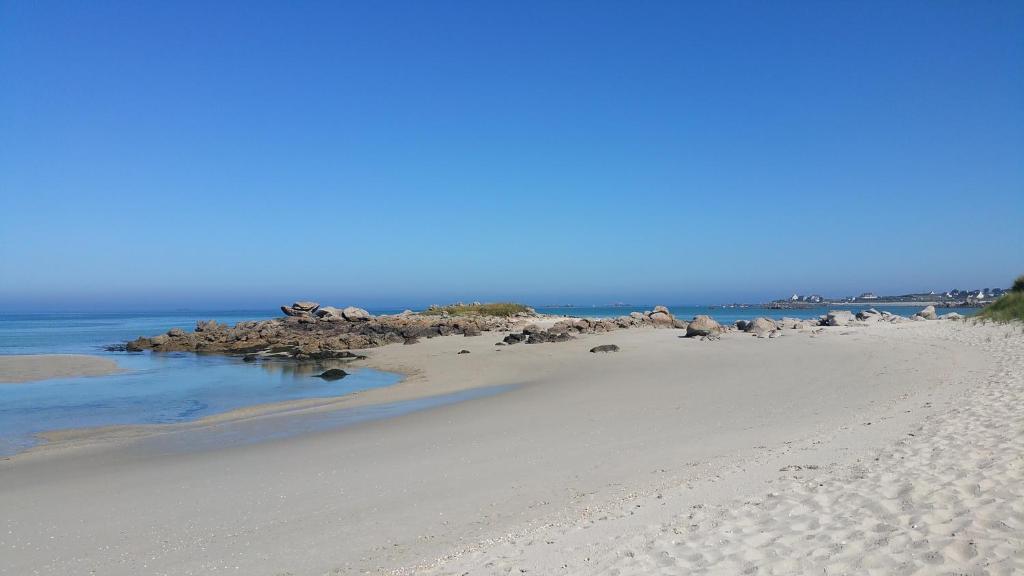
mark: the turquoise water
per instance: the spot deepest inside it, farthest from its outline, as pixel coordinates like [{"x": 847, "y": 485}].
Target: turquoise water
[
  {"x": 154, "y": 388},
  {"x": 163, "y": 389}
]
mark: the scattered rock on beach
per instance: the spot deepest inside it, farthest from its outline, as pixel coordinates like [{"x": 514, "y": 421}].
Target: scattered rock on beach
[
  {"x": 333, "y": 374},
  {"x": 605, "y": 348},
  {"x": 703, "y": 326},
  {"x": 839, "y": 318},
  {"x": 463, "y": 351},
  {"x": 928, "y": 313},
  {"x": 760, "y": 326}
]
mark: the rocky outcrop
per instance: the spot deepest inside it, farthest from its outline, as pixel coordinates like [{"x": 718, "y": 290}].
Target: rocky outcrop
[
  {"x": 310, "y": 332},
  {"x": 839, "y": 318},
  {"x": 703, "y": 326},
  {"x": 303, "y": 308},
  {"x": 568, "y": 329}
]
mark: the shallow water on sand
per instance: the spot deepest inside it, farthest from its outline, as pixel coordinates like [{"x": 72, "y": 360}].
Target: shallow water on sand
[{"x": 164, "y": 389}]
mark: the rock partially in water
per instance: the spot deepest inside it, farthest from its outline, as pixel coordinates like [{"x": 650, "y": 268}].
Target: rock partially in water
[
  {"x": 605, "y": 348},
  {"x": 333, "y": 374}
]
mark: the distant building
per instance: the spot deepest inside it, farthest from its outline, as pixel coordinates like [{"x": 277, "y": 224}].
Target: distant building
[{"x": 867, "y": 296}]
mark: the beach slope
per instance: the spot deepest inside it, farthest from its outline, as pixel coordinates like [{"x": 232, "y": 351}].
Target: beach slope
[{"x": 588, "y": 462}]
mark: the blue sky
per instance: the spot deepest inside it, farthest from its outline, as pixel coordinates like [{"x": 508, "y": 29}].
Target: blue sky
[{"x": 165, "y": 154}]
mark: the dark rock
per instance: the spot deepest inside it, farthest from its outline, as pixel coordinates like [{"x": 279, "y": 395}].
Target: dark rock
[
  {"x": 605, "y": 348},
  {"x": 514, "y": 338},
  {"x": 463, "y": 351},
  {"x": 333, "y": 374}
]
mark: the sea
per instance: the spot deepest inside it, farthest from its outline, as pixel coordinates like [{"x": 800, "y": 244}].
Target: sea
[{"x": 179, "y": 387}]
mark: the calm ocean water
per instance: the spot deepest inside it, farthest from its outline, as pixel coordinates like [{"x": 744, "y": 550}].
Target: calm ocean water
[
  {"x": 730, "y": 314},
  {"x": 168, "y": 388}
]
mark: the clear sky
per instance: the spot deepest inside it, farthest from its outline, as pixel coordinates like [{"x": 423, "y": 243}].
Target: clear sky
[{"x": 212, "y": 154}]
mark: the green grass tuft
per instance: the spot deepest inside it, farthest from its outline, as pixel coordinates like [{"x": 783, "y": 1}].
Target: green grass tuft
[
  {"x": 1018, "y": 284},
  {"x": 1009, "y": 306},
  {"x": 504, "y": 309}
]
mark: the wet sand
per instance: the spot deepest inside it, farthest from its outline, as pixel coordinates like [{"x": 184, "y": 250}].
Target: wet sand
[
  {"x": 26, "y": 368},
  {"x": 590, "y": 463}
]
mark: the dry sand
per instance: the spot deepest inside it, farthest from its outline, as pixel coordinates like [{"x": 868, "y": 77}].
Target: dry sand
[
  {"x": 745, "y": 455},
  {"x": 25, "y": 368}
]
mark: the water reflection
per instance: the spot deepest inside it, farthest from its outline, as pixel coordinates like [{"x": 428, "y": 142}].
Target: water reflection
[{"x": 167, "y": 388}]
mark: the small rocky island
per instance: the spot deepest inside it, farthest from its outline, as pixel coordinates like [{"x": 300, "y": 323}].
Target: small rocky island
[{"x": 308, "y": 331}]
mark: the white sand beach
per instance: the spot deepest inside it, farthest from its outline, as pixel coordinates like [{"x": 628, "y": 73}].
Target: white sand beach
[
  {"x": 877, "y": 449},
  {"x": 26, "y": 368}
]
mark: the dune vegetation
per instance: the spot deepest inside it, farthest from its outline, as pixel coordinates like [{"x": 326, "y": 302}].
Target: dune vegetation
[
  {"x": 1009, "y": 306},
  {"x": 502, "y": 309}
]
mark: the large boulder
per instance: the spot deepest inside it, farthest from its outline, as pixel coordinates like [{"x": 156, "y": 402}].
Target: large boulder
[
  {"x": 760, "y": 325},
  {"x": 928, "y": 313},
  {"x": 330, "y": 313},
  {"x": 291, "y": 311},
  {"x": 703, "y": 326},
  {"x": 839, "y": 318},
  {"x": 305, "y": 306},
  {"x": 353, "y": 314},
  {"x": 661, "y": 318}
]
